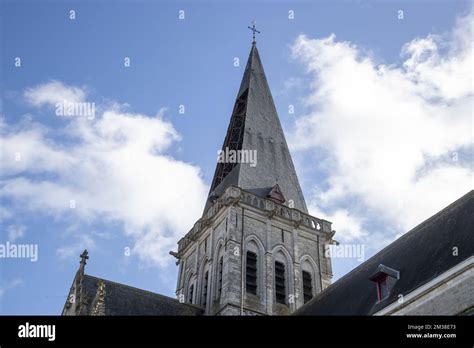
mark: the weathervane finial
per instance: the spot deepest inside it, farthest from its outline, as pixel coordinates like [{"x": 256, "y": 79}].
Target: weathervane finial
[{"x": 254, "y": 30}]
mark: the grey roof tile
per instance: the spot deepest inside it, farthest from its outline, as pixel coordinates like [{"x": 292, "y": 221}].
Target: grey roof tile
[
  {"x": 420, "y": 255},
  {"x": 122, "y": 299}
]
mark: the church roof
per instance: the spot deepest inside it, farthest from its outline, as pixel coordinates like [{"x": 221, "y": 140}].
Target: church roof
[
  {"x": 254, "y": 125},
  {"x": 122, "y": 299},
  {"x": 419, "y": 256}
]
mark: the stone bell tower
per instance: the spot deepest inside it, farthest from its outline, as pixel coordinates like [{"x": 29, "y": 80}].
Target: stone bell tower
[{"x": 255, "y": 250}]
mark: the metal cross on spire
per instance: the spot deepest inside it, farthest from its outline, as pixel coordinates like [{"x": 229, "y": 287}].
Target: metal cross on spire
[
  {"x": 254, "y": 30},
  {"x": 84, "y": 256}
]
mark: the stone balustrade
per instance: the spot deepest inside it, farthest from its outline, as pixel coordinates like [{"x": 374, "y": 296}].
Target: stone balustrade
[{"x": 234, "y": 195}]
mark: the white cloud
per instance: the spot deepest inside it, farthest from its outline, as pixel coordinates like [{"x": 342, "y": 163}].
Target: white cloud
[
  {"x": 15, "y": 232},
  {"x": 349, "y": 227},
  {"x": 441, "y": 75},
  {"x": 5, "y": 214},
  {"x": 386, "y": 136},
  {"x": 54, "y": 92},
  {"x": 114, "y": 168},
  {"x": 7, "y": 286},
  {"x": 74, "y": 250}
]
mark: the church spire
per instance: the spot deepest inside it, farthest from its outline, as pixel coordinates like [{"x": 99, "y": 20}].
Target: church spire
[{"x": 255, "y": 132}]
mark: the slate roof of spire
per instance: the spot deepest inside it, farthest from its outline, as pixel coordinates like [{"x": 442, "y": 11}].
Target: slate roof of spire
[
  {"x": 419, "y": 256},
  {"x": 255, "y": 125}
]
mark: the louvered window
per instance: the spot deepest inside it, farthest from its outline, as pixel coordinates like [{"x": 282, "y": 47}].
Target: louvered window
[
  {"x": 191, "y": 293},
  {"x": 280, "y": 285},
  {"x": 251, "y": 273},
  {"x": 204, "y": 289},
  {"x": 219, "y": 276},
  {"x": 307, "y": 286}
]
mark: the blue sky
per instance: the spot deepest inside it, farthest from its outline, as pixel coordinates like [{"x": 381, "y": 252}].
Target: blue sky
[{"x": 378, "y": 70}]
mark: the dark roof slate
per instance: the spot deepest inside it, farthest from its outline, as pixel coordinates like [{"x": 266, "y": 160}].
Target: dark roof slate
[
  {"x": 420, "y": 255},
  {"x": 122, "y": 299}
]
